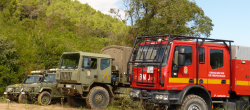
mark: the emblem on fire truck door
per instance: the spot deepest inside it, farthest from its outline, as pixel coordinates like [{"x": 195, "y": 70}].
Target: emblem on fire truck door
[{"x": 185, "y": 70}]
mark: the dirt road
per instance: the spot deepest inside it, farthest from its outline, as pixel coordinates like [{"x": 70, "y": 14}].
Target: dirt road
[{"x": 18, "y": 106}]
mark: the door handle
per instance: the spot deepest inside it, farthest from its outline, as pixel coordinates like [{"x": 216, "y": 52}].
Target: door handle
[
  {"x": 201, "y": 81},
  {"x": 223, "y": 81},
  {"x": 191, "y": 80}
]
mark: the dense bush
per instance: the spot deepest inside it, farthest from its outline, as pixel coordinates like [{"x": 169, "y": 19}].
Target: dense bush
[{"x": 34, "y": 34}]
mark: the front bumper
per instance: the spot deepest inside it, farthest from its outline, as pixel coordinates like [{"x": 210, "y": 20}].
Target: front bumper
[
  {"x": 70, "y": 89},
  {"x": 156, "y": 96},
  {"x": 31, "y": 92},
  {"x": 11, "y": 93}
]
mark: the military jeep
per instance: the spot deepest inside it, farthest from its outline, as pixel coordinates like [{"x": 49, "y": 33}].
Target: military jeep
[
  {"x": 43, "y": 91},
  {"x": 13, "y": 92}
]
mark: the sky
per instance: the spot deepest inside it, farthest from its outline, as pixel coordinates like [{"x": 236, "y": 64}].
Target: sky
[{"x": 231, "y": 18}]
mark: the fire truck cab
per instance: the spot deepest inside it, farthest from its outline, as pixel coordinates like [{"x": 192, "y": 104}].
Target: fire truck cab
[{"x": 181, "y": 72}]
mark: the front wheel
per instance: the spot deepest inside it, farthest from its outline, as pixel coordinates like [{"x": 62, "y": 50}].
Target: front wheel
[
  {"x": 193, "y": 102},
  {"x": 44, "y": 98},
  {"x": 22, "y": 98},
  {"x": 98, "y": 98}
]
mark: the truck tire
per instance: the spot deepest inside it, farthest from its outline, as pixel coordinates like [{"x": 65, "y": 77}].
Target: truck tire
[
  {"x": 75, "y": 102},
  {"x": 98, "y": 98},
  {"x": 22, "y": 98},
  {"x": 44, "y": 98},
  {"x": 193, "y": 102}
]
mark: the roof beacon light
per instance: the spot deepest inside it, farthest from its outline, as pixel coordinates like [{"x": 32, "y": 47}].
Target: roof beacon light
[
  {"x": 54, "y": 69},
  {"x": 40, "y": 71},
  {"x": 166, "y": 38},
  {"x": 147, "y": 39}
]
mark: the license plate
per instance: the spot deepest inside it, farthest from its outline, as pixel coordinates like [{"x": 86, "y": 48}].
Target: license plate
[
  {"x": 68, "y": 86},
  {"x": 23, "y": 92},
  {"x": 150, "y": 69}
]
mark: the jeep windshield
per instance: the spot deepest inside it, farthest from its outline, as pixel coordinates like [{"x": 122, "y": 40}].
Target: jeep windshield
[
  {"x": 50, "y": 78},
  {"x": 69, "y": 61},
  {"x": 150, "y": 54},
  {"x": 31, "y": 79}
]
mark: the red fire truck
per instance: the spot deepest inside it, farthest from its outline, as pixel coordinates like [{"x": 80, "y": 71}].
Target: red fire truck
[{"x": 189, "y": 73}]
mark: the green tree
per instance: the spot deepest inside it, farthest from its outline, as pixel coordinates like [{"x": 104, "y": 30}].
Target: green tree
[
  {"x": 8, "y": 63},
  {"x": 154, "y": 17}
]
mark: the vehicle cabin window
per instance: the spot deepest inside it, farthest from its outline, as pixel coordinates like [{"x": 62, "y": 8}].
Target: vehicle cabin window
[
  {"x": 201, "y": 55},
  {"x": 105, "y": 63},
  {"x": 93, "y": 64},
  {"x": 85, "y": 63},
  {"x": 216, "y": 58},
  {"x": 50, "y": 78},
  {"x": 188, "y": 55}
]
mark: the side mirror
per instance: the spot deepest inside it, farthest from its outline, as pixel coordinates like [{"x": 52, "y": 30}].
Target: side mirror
[
  {"x": 134, "y": 58},
  {"x": 89, "y": 61},
  {"x": 135, "y": 51},
  {"x": 134, "y": 54},
  {"x": 181, "y": 56}
]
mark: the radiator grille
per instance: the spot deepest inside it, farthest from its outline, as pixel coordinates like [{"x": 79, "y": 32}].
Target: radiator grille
[{"x": 66, "y": 75}]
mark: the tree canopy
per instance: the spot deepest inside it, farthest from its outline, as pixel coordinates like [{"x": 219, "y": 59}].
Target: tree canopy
[{"x": 181, "y": 17}]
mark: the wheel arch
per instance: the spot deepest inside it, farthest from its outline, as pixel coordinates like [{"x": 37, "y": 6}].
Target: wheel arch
[
  {"x": 199, "y": 91},
  {"x": 46, "y": 89}
]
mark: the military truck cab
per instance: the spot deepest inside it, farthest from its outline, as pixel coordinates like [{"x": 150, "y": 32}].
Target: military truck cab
[{"x": 92, "y": 78}]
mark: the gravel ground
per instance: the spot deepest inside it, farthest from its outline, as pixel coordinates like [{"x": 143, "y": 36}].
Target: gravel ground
[{"x": 18, "y": 106}]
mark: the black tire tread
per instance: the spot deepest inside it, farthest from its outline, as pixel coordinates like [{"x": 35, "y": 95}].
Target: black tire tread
[
  {"x": 40, "y": 97},
  {"x": 187, "y": 98},
  {"x": 20, "y": 98},
  {"x": 88, "y": 101}
]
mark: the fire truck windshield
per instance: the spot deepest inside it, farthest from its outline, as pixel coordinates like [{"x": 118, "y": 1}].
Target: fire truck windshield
[
  {"x": 69, "y": 61},
  {"x": 152, "y": 54}
]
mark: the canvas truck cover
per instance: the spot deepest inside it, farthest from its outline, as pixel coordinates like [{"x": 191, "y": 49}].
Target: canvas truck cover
[
  {"x": 120, "y": 54},
  {"x": 240, "y": 52}
]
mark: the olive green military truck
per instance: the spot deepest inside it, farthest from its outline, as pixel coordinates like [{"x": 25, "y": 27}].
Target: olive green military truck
[
  {"x": 91, "y": 78},
  {"x": 42, "y": 91},
  {"x": 13, "y": 92}
]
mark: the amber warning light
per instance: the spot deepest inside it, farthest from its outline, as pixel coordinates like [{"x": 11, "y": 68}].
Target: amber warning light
[
  {"x": 41, "y": 71},
  {"x": 52, "y": 69}
]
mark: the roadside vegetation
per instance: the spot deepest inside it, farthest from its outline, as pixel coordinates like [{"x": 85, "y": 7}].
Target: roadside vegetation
[{"x": 34, "y": 33}]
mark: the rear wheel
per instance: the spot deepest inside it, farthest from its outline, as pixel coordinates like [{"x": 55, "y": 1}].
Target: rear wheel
[
  {"x": 44, "y": 98},
  {"x": 98, "y": 98},
  {"x": 193, "y": 102},
  {"x": 76, "y": 102}
]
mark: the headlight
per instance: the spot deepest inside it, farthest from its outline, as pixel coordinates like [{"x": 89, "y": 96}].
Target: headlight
[
  {"x": 9, "y": 89},
  {"x": 161, "y": 97},
  {"x": 165, "y": 97},
  {"x": 135, "y": 94},
  {"x": 131, "y": 94}
]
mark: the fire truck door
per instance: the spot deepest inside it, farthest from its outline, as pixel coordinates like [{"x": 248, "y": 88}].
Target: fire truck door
[
  {"x": 218, "y": 72},
  {"x": 182, "y": 76},
  {"x": 203, "y": 62},
  {"x": 242, "y": 77}
]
